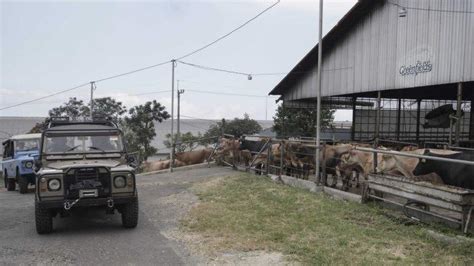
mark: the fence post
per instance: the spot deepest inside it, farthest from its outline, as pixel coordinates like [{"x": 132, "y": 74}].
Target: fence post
[
  {"x": 282, "y": 153},
  {"x": 377, "y": 128},
  {"x": 323, "y": 165},
  {"x": 269, "y": 152}
]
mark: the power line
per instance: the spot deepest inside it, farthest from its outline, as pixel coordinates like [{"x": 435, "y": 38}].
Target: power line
[
  {"x": 212, "y": 84},
  {"x": 44, "y": 97},
  {"x": 132, "y": 72},
  {"x": 228, "y": 93},
  {"x": 149, "y": 67},
  {"x": 257, "y": 74},
  {"x": 191, "y": 125},
  {"x": 430, "y": 9},
  {"x": 226, "y": 35},
  {"x": 203, "y": 119},
  {"x": 215, "y": 69},
  {"x": 147, "y": 93}
]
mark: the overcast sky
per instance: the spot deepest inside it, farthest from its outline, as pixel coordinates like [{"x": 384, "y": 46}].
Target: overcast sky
[{"x": 51, "y": 46}]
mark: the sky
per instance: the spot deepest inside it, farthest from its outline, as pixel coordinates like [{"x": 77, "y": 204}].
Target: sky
[{"x": 51, "y": 46}]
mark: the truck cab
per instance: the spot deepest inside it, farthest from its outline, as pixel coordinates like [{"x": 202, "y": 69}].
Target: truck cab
[
  {"x": 84, "y": 164},
  {"x": 19, "y": 154}
]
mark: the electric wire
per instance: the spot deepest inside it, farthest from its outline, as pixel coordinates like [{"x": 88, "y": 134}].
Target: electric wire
[
  {"x": 191, "y": 125},
  {"x": 228, "y": 93},
  {"x": 431, "y": 9},
  {"x": 132, "y": 72},
  {"x": 148, "y": 67},
  {"x": 147, "y": 93},
  {"x": 44, "y": 97},
  {"x": 226, "y": 35},
  {"x": 203, "y": 119},
  {"x": 256, "y": 74},
  {"x": 214, "y": 69}
]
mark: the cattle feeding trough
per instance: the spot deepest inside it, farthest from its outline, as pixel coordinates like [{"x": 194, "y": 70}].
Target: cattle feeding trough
[{"x": 423, "y": 200}]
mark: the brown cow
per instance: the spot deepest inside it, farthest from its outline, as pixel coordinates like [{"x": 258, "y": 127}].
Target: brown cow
[
  {"x": 231, "y": 148},
  {"x": 406, "y": 165},
  {"x": 159, "y": 165},
  {"x": 194, "y": 157},
  {"x": 364, "y": 160}
]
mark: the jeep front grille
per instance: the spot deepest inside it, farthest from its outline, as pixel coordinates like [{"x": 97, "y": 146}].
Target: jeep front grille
[
  {"x": 87, "y": 173},
  {"x": 77, "y": 179}
]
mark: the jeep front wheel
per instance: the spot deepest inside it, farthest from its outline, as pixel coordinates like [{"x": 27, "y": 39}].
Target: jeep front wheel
[
  {"x": 22, "y": 183},
  {"x": 43, "y": 219},
  {"x": 130, "y": 214},
  {"x": 10, "y": 182}
]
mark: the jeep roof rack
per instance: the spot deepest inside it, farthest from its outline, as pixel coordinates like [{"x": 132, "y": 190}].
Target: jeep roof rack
[{"x": 55, "y": 121}]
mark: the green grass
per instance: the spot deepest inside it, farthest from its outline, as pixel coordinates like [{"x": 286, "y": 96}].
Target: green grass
[{"x": 248, "y": 213}]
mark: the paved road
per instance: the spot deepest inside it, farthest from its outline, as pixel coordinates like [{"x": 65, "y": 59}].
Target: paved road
[{"x": 90, "y": 237}]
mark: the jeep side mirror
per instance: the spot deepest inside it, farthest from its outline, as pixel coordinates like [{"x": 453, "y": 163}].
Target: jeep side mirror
[
  {"x": 38, "y": 165},
  {"x": 132, "y": 160}
]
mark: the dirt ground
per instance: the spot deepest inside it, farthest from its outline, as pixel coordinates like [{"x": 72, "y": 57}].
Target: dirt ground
[{"x": 92, "y": 237}]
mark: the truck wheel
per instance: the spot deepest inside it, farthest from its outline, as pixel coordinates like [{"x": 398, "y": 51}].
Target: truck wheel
[
  {"x": 43, "y": 219},
  {"x": 11, "y": 184},
  {"x": 22, "y": 183},
  {"x": 130, "y": 214}
]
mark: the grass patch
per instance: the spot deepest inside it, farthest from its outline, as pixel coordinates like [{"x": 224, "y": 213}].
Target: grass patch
[{"x": 246, "y": 213}]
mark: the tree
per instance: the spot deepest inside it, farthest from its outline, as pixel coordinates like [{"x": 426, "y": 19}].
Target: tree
[
  {"x": 300, "y": 121},
  {"x": 188, "y": 141},
  {"x": 75, "y": 109},
  {"x": 139, "y": 127},
  {"x": 236, "y": 127}
]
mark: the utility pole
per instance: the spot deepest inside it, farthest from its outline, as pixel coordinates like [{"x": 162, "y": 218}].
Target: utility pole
[
  {"x": 178, "y": 133},
  {"x": 318, "y": 91},
  {"x": 266, "y": 107},
  {"x": 173, "y": 65},
  {"x": 92, "y": 99}
]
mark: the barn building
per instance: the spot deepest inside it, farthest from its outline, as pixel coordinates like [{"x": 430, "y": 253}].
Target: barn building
[{"x": 404, "y": 67}]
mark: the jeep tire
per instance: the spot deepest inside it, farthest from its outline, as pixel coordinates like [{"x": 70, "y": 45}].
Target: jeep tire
[
  {"x": 10, "y": 182},
  {"x": 43, "y": 220},
  {"x": 22, "y": 183},
  {"x": 130, "y": 214}
]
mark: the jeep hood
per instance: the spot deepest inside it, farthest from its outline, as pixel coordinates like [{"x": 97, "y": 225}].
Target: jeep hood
[
  {"x": 28, "y": 155},
  {"x": 83, "y": 163}
]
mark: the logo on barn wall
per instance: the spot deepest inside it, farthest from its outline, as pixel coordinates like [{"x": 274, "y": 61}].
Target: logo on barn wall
[{"x": 419, "y": 67}]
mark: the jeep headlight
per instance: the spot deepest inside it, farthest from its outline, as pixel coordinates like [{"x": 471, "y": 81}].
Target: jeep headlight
[
  {"x": 54, "y": 184},
  {"x": 28, "y": 164},
  {"x": 120, "y": 182}
]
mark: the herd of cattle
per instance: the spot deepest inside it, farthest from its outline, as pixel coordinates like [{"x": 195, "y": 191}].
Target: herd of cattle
[{"x": 343, "y": 162}]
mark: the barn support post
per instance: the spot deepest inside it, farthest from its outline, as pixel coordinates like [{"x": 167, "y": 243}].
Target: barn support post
[
  {"x": 354, "y": 99},
  {"x": 318, "y": 92},
  {"x": 458, "y": 114},
  {"x": 471, "y": 118},
  {"x": 418, "y": 117},
  {"x": 377, "y": 128},
  {"x": 399, "y": 117}
]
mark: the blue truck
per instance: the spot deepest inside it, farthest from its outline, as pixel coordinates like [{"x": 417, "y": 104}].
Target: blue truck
[{"x": 19, "y": 154}]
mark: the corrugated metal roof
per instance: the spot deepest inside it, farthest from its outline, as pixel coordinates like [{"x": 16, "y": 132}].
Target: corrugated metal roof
[{"x": 356, "y": 13}]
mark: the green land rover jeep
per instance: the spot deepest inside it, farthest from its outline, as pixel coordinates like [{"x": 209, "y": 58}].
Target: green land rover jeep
[{"x": 84, "y": 164}]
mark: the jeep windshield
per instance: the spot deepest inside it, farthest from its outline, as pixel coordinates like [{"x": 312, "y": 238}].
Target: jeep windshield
[
  {"x": 24, "y": 145},
  {"x": 97, "y": 143}
]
